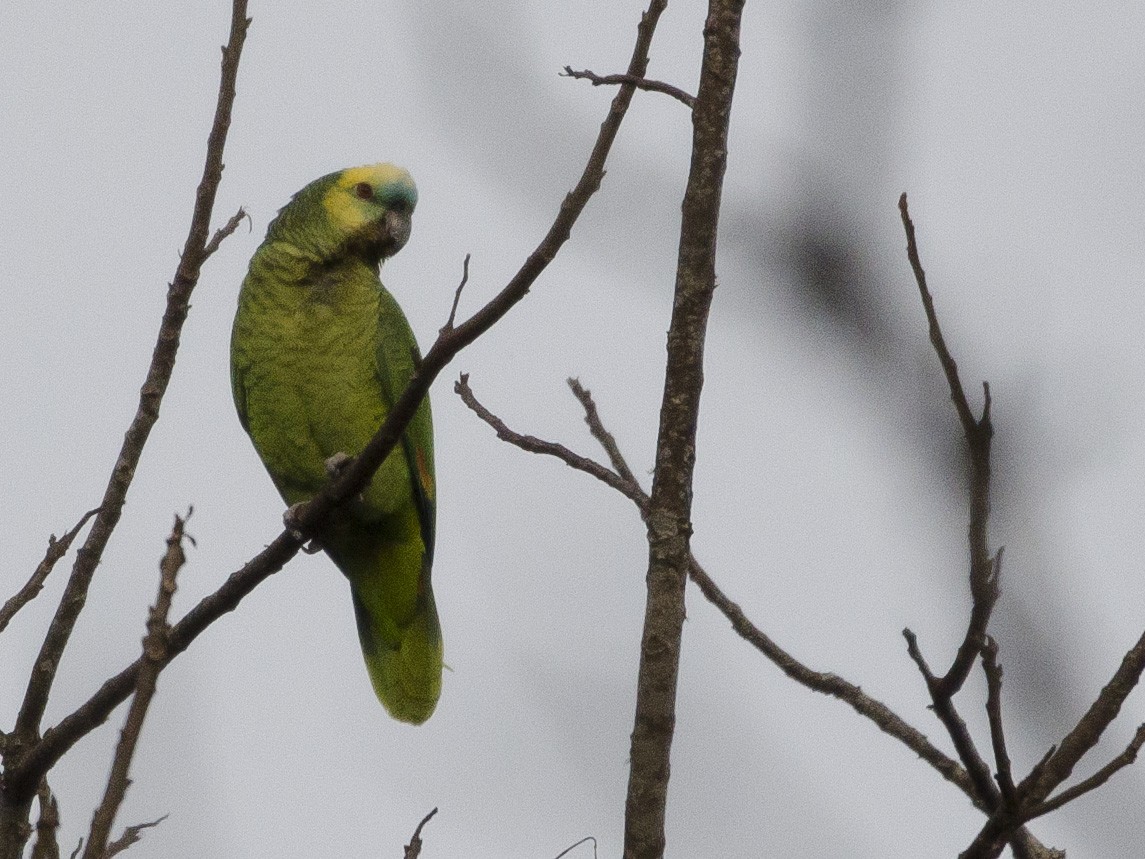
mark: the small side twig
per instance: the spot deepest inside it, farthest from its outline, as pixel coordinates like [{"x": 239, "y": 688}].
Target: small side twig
[
  {"x": 448, "y": 326},
  {"x": 532, "y": 444},
  {"x": 222, "y": 232},
  {"x": 993, "y": 671},
  {"x": 57, "y": 548},
  {"x": 46, "y": 846},
  {"x": 131, "y": 835},
  {"x": 573, "y": 847},
  {"x": 638, "y": 82},
  {"x": 943, "y": 706},
  {"x": 602, "y": 435},
  {"x": 1058, "y": 766},
  {"x": 154, "y": 658},
  {"x": 984, "y": 569},
  {"x": 413, "y": 849}
]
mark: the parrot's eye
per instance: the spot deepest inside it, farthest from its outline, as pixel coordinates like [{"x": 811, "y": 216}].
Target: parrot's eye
[{"x": 364, "y": 190}]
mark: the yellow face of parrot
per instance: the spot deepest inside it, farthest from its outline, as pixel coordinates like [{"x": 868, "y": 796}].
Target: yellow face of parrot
[{"x": 372, "y": 206}]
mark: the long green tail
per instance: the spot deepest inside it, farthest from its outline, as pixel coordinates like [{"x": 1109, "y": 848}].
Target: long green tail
[
  {"x": 397, "y": 620},
  {"x": 407, "y": 675}
]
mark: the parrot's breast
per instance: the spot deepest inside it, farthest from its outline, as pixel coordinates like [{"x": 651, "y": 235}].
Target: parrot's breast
[{"x": 309, "y": 380}]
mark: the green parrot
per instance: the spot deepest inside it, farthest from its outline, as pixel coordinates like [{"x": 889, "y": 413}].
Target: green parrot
[{"x": 320, "y": 352}]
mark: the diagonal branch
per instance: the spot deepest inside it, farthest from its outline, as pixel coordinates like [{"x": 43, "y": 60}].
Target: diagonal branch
[
  {"x": 602, "y": 435},
  {"x": 153, "y": 659},
  {"x": 1084, "y": 736},
  {"x": 1094, "y": 781},
  {"x": 40, "y": 757},
  {"x": 131, "y": 835},
  {"x": 993, "y": 671},
  {"x": 31, "y": 589},
  {"x": 413, "y": 849},
  {"x": 150, "y": 396}
]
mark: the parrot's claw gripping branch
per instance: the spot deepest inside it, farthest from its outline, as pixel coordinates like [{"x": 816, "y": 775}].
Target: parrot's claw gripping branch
[
  {"x": 294, "y": 529},
  {"x": 336, "y": 464}
]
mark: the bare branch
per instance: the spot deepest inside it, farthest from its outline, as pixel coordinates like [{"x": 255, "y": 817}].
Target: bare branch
[
  {"x": 670, "y": 507},
  {"x": 46, "y": 846},
  {"x": 1084, "y": 736},
  {"x": 532, "y": 444},
  {"x": 413, "y": 849},
  {"x": 943, "y": 706},
  {"x": 1094, "y": 781},
  {"x": 602, "y": 435},
  {"x": 984, "y": 569},
  {"x": 640, "y": 83},
  {"x": 130, "y": 836},
  {"x": 223, "y": 232},
  {"x": 150, "y": 396},
  {"x": 153, "y": 659},
  {"x": 445, "y": 329},
  {"x": 31, "y": 589},
  {"x": 993, "y": 671}
]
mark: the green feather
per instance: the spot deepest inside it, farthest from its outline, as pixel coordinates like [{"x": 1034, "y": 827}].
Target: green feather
[{"x": 320, "y": 351}]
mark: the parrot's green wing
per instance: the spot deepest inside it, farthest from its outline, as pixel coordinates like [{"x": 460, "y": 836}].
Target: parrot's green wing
[{"x": 397, "y": 618}]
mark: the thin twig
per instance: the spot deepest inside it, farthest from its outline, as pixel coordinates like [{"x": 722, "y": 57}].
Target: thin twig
[
  {"x": 638, "y": 82},
  {"x": 222, "y": 232},
  {"x": 150, "y": 395},
  {"x": 56, "y": 741},
  {"x": 31, "y": 589},
  {"x": 1084, "y": 736},
  {"x": 46, "y": 846},
  {"x": 445, "y": 329},
  {"x": 413, "y": 849},
  {"x": 154, "y": 658},
  {"x": 984, "y": 569},
  {"x": 628, "y": 487},
  {"x": 1094, "y": 781},
  {"x": 573, "y": 847},
  {"x": 130, "y": 836},
  {"x": 602, "y": 435},
  {"x": 993, "y": 671},
  {"x": 943, "y": 706}
]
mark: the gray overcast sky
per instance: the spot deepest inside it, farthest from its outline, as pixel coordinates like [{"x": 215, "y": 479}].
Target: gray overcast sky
[{"x": 825, "y": 501}]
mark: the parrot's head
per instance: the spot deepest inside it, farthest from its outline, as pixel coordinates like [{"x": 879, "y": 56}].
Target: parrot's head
[{"x": 362, "y": 211}]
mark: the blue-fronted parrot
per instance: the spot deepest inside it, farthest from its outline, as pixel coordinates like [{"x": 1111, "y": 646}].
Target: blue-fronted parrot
[{"x": 320, "y": 351}]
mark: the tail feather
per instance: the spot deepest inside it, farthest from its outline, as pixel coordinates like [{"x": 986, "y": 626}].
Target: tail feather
[{"x": 406, "y": 673}]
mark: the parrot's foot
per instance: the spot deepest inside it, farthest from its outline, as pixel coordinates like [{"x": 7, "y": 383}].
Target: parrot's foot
[
  {"x": 336, "y": 464},
  {"x": 290, "y": 520}
]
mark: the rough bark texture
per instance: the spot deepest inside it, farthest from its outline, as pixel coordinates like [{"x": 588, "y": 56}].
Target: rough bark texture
[{"x": 669, "y": 520}]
